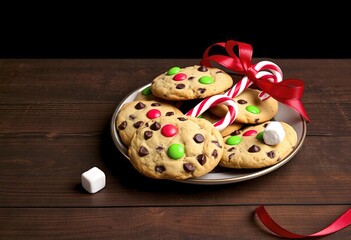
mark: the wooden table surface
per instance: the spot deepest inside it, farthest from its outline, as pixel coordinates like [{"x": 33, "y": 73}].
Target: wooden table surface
[{"x": 55, "y": 124}]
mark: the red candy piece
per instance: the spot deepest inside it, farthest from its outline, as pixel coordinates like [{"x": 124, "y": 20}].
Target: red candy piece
[
  {"x": 169, "y": 130},
  {"x": 250, "y": 133},
  {"x": 180, "y": 77},
  {"x": 153, "y": 113}
]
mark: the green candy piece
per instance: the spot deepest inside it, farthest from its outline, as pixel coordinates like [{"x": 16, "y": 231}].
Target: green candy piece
[
  {"x": 259, "y": 136},
  {"x": 253, "y": 109},
  {"x": 200, "y": 116},
  {"x": 206, "y": 80},
  {"x": 173, "y": 71},
  {"x": 146, "y": 91},
  {"x": 176, "y": 151},
  {"x": 233, "y": 140}
]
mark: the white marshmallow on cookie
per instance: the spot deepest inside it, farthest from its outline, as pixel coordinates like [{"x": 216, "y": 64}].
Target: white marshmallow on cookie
[{"x": 274, "y": 133}]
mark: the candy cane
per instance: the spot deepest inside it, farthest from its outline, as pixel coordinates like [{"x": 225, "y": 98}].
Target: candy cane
[
  {"x": 264, "y": 70},
  {"x": 212, "y": 101}
]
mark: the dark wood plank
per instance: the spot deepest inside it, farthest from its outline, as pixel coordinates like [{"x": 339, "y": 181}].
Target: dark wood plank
[
  {"x": 329, "y": 119},
  {"x": 77, "y": 80},
  {"x": 55, "y": 119},
  {"x": 220, "y": 222},
  {"x": 104, "y": 80},
  {"x": 46, "y": 172}
]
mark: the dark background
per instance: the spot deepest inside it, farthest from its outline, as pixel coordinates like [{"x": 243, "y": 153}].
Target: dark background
[{"x": 173, "y": 30}]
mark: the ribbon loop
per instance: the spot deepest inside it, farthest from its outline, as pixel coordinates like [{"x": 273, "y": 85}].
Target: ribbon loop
[
  {"x": 267, "y": 75},
  {"x": 238, "y": 64}
]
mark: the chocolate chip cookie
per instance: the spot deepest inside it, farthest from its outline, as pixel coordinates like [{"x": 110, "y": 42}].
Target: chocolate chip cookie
[
  {"x": 251, "y": 110},
  {"x": 135, "y": 114},
  {"x": 176, "y": 147},
  {"x": 247, "y": 149},
  {"x": 191, "y": 82}
]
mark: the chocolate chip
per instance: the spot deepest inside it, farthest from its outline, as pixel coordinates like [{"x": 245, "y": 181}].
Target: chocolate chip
[
  {"x": 201, "y": 90},
  {"x": 216, "y": 143},
  {"x": 236, "y": 132},
  {"x": 231, "y": 149},
  {"x": 143, "y": 151},
  {"x": 188, "y": 167},
  {"x": 201, "y": 159},
  {"x": 254, "y": 148},
  {"x": 265, "y": 125},
  {"x": 242, "y": 101},
  {"x": 138, "y": 124},
  {"x": 180, "y": 86},
  {"x": 215, "y": 153},
  {"x": 271, "y": 154},
  {"x": 191, "y": 78},
  {"x": 182, "y": 119},
  {"x": 279, "y": 159},
  {"x": 218, "y": 72},
  {"x": 160, "y": 169},
  {"x": 132, "y": 117},
  {"x": 156, "y": 104},
  {"x": 169, "y": 113},
  {"x": 159, "y": 148},
  {"x": 122, "y": 126},
  {"x": 198, "y": 138},
  {"x": 155, "y": 126},
  {"x": 202, "y": 69},
  {"x": 147, "y": 135},
  {"x": 139, "y": 105},
  {"x": 257, "y": 120},
  {"x": 231, "y": 155}
]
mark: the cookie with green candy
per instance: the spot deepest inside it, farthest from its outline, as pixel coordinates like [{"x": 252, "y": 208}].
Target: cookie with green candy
[
  {"x": 192, "y": 82},
  {"x": 176, "y": 148},
  {"x": 259, "y": 146},
  {"x": 146, "y": 95},
  {"x": 251, "y": 109}
]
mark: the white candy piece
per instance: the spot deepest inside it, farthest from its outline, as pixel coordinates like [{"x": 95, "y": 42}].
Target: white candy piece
[
  {"x": 93, "y": 180},
  {"x": 274, "y": 133}
]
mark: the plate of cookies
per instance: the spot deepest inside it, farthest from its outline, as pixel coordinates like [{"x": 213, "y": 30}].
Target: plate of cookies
[{"x": 152, "y": 129}]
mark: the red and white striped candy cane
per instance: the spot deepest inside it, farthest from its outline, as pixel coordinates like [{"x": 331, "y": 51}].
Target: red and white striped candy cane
[
  {"x": 264, "y": 70},
  {"x": 212, "y": 101}
]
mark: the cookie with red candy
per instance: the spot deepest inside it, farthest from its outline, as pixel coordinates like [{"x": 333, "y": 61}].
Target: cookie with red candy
[
  {"x": 191, "y": 82},
  {"x": 259, "y": 146},
  {"x": 176, "y": 148},
  {"x": 135, "y": 114}
]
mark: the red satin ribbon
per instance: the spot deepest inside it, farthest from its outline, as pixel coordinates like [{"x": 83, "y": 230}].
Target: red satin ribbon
[
  {"x": 340, "y": 223},
  {"x": 288, "y": 92}
]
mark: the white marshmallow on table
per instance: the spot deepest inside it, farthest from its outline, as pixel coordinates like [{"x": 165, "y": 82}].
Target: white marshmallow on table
[
  {"x": 274, "y": 133},
  {"x": 93, "y": 180}
]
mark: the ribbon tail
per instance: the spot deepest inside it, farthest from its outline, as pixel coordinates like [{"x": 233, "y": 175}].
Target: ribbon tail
[
  {"x": 288, "y": 92},
  {"x": 263, "y": 215},
  {"x": 297, "y": 105},
  {"x": 343, "y": 221}
]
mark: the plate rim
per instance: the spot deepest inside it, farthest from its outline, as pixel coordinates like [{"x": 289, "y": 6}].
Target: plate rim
[{"x": 259, "y": 173}]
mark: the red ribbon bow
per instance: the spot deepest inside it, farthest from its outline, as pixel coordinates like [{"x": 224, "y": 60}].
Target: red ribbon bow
[{"x": 288, "y": 92}]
